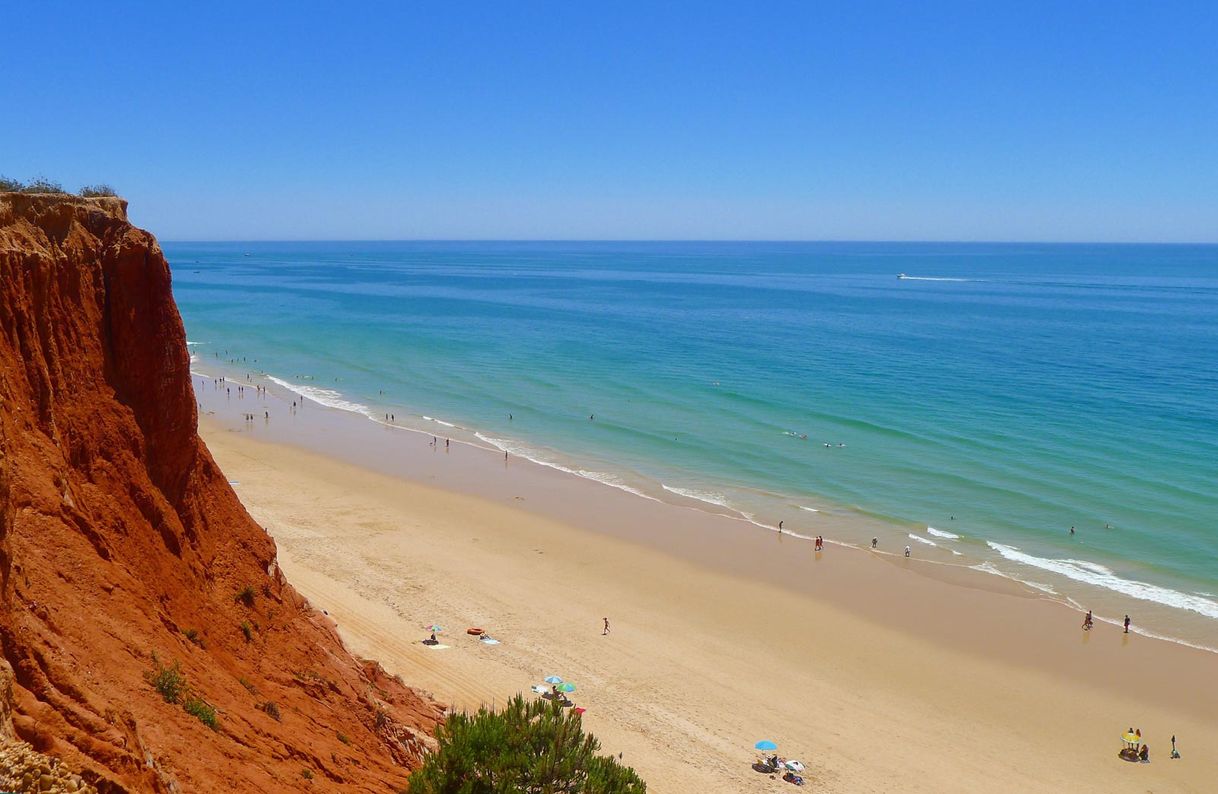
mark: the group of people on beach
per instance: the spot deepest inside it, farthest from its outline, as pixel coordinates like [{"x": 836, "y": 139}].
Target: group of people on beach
[
  {"x": 1088, "y": 623},
  {"x": 1141, "y": 754}
]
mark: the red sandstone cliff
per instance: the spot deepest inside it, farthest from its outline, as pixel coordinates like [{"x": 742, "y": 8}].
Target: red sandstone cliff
[{"x": 119, "y": 535}]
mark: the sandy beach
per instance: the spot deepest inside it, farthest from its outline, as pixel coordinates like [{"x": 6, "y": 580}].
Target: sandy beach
[{"x": 876, "y": 672}]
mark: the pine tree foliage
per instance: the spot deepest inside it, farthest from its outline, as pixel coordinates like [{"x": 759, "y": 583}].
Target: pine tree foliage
[{"x": 530, "y": 746}]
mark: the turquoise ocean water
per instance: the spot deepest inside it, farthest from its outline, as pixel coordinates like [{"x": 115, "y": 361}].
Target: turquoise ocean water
[{"x": 976, "y": 409}]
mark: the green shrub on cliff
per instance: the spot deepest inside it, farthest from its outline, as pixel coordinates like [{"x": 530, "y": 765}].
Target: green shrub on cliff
[
  {"x": 202, "y": 711},
  {"x": 528, "y": 746},
  {"x": 245, "y": 596},
  {"x": 169, "y": 681},
  {"x": 93, "y": 191},
  {"x": 41, "y": 184}
]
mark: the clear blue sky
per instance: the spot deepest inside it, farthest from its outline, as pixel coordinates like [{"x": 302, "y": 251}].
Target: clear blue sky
[{"x": 812, "y": 120}]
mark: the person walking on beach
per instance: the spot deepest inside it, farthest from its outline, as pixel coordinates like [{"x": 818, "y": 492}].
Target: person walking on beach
[
  {"x": 605, "y": 631},
  {"x": 780, "y": 526},
  {"x": 875, "y": 542},
  {"x": 1174, "y": 752},
  {"x": 1127, "y": 624},
  {"x": 1087, "y": 621},
  {"x": 446, "y": 442},
  {"x": 907, "y": 551}
]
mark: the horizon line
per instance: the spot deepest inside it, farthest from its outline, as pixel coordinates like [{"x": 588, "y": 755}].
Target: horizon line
[{"x": 680, "y": 240}]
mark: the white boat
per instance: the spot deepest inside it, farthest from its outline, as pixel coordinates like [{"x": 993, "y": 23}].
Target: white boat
[{"x": 902, "y": 275}]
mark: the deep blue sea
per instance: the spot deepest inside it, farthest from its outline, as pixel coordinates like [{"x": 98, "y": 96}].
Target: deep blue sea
[{"x": 976, "y": 409}]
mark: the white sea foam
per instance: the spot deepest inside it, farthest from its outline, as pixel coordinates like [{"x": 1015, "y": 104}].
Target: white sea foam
[
  {"x": 989, "y": 567},
  {"x": 710, "y": 497},
  {"x": 1100, "y": 576},
  {"x": 809, "y": 509},
  {"x": 921, "y": 539},
  {"x": 192, "y": 344},
  {"x": 327, "y": 397},
  {"x": 441, "y": 422},
  {"x": 939, "y": 533},
  {"x": 933, "y": 278},
  {"x": 533, "y": 456}
]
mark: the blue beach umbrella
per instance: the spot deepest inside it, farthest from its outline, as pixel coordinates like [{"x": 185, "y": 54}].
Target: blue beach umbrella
[
  {"x": 766, "y": 744},
  {"x": 553, "y": 679}
]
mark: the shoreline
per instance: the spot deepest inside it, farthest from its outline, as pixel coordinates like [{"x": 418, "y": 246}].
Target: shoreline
[
  {"x": 933, "y": 547},
  {"x": 872, "y": 636}
]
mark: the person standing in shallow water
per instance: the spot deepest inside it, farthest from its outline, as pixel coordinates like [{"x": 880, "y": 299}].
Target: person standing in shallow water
[{"x": 1127, "y": 622}]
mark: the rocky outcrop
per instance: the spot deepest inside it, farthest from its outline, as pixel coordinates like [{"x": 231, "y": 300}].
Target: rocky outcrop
[{"x": 124, "y": 552}]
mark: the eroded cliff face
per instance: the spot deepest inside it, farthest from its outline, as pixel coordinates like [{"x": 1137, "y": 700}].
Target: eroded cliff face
[{"x": 121, "y": 539}]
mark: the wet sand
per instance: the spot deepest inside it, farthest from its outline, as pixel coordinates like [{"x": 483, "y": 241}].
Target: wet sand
[{"x": 878, "y": 672}]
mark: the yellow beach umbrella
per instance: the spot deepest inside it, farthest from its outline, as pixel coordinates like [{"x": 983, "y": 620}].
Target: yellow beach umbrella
[{"x": 1130, "y": 738}]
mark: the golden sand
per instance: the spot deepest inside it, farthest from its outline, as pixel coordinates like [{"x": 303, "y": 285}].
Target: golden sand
[{"x": 875, "y": 675}]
